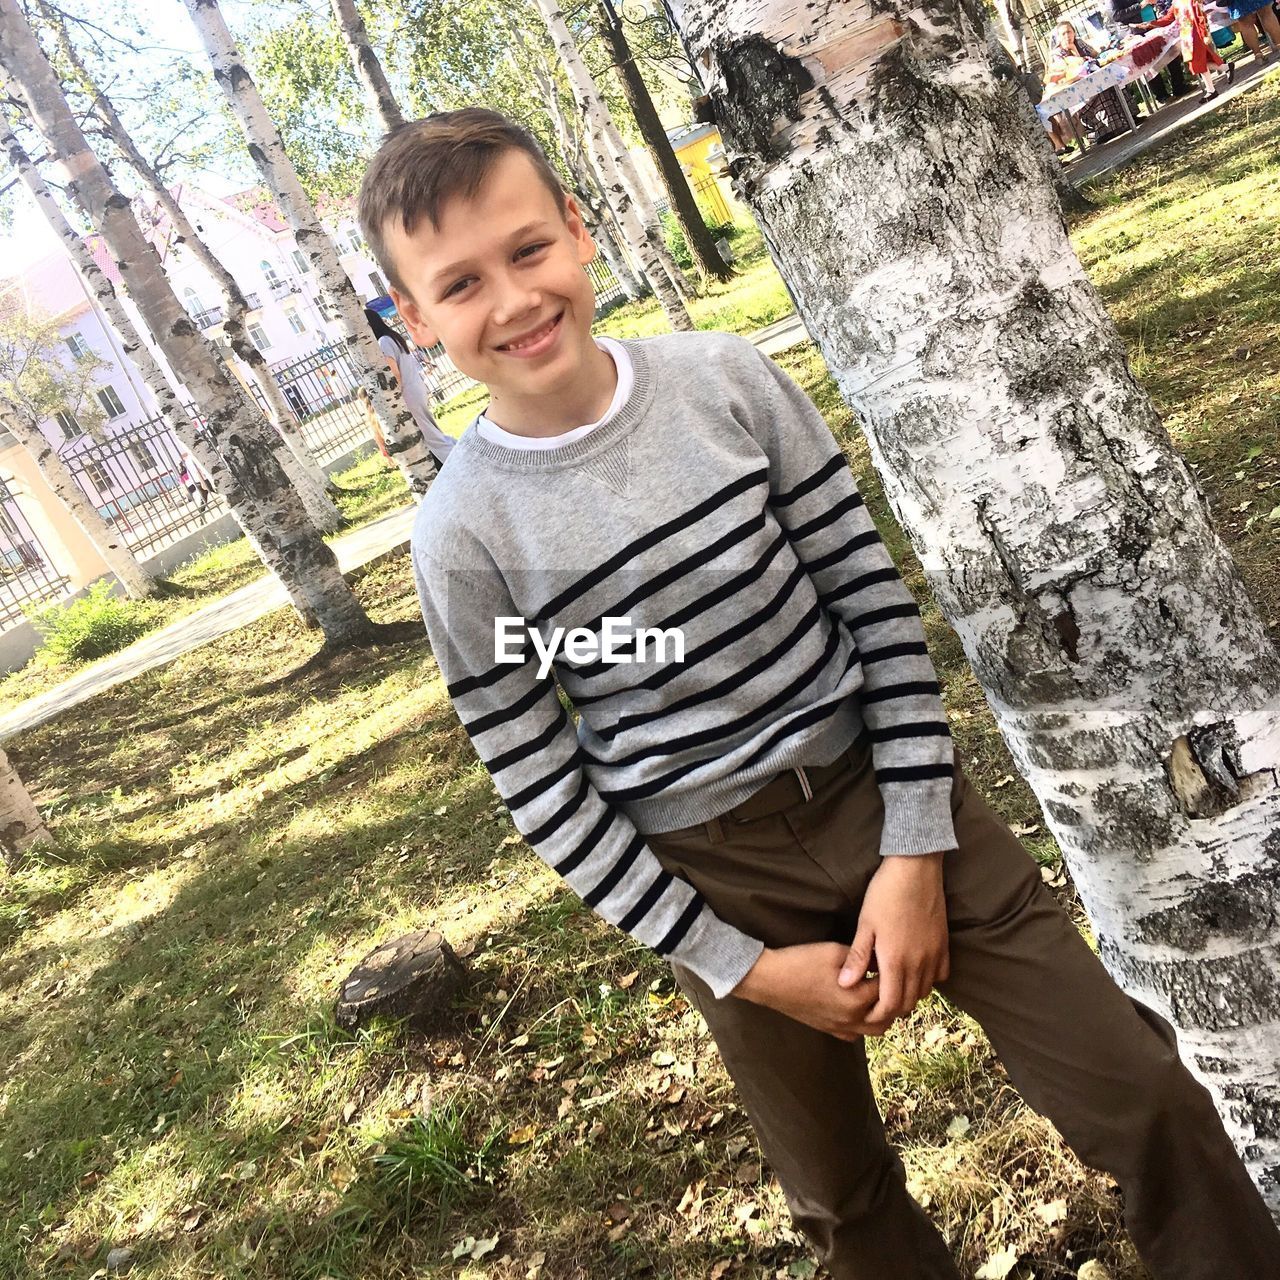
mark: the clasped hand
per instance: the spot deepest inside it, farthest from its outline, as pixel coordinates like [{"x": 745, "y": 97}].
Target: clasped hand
[{"x": 901, "y": 935}]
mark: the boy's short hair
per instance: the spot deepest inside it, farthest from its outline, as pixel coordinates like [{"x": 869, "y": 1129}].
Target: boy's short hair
[{"x": 422, "y": 164}]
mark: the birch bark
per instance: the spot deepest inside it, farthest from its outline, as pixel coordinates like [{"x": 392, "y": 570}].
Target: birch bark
[
  {"x": 368, "y": 66},
  {"x": 250, "y": 476},
  {"x": 403, "y": 439},
  {"x": 108, "y": 540},
  {"x": 301, "y": 468},
  {"x": 645, "y": 239},
  {"x": 1065, "y": 540},
  {"x": 20, "y": 822},
  {"x": 132, "y": 345}
]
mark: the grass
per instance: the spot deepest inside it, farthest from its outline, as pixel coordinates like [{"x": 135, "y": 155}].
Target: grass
[{"x": 234, "y": 833}]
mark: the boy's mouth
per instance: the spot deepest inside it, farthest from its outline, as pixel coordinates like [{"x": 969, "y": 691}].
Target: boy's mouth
[{"x": 536, "y": 341}]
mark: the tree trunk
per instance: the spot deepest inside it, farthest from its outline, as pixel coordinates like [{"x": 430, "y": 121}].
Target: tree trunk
[
  {"x": 301, "y": 468},
  {"x": 596, "y": 115},
  {"x": 907, "y": 207},
  {"x": 251, "y": 476},
  {"x": 20, "y": 822},
  {"x": 368, "y": 67},
  {"x": 108, "y": 540},
  {"x": 702, "y": 245},
  {"x": 403, "y": 439}
]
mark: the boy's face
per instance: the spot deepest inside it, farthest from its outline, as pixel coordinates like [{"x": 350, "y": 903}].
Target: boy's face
[{"x": 500, "y": 283}]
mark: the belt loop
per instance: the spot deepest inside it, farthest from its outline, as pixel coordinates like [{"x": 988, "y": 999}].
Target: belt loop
[
  {"x": 805, "y": 788},
  {"x": 715, "y": 832}
]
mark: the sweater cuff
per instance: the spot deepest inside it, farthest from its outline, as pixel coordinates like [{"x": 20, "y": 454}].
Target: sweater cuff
[
  {"x": 917, "y": 819},
  {"x": 717, "y": 953}
]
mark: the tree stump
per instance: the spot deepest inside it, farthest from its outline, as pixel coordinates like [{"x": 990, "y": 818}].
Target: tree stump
[{"x": 414, "y": 977}]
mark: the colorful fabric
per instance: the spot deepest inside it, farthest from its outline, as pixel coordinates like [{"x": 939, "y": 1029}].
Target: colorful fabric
[
  {"x": 1245, "y": 8},
  {"x": 1198, "y": 50}
]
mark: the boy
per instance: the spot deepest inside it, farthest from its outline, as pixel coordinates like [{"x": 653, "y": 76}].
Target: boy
[{"x": 772, "y": 803}]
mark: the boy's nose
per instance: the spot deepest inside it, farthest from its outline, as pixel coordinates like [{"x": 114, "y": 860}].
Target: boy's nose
[{"x": 515, "y": 299}]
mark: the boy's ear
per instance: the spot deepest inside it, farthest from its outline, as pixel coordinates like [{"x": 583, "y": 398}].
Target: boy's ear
[
  {"x": 587, "y": 248},
  {"x": 414, "y": 321}
]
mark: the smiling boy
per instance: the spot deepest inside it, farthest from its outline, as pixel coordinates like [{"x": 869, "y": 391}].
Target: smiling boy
[{"x": 776, "y": 810}]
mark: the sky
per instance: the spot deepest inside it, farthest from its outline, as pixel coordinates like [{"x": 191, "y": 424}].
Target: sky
[{"x": 30, "y": 238}]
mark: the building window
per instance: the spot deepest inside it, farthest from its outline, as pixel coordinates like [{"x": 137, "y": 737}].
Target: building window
[
  {"x": 78, "y": 347},
  {"x": 110, "y": 402},
  {"x": 258, "y": 336},
  {"x": 355, "y": 241},
  {"x": 296, "y": 322},
  {"x": 99, "y": 475},
  {"x": 142, "y": 454},
  {"x": 67, "y": 421},
  {"x": 270, "y": 274},
  {"x": 300, "y": 263},
  {"x": 377, "y": 284},
  {"x": 191, "y": 300}
]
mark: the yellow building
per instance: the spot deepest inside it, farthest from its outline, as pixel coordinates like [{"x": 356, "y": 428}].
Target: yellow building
[{"x": 701, "y": 155}]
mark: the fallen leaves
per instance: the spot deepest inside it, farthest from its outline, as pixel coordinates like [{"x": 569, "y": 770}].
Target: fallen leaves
[
  {"x": 474, "y": 1248},
  {"x": 998, "y": 1265}
]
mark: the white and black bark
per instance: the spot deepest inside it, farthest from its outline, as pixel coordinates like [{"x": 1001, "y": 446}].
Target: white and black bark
[
  {"x": 21, "y": 825},
  {"x": 367, "y": 64},
  {"x": 403, "y": 439},
  {"x": 244, "y": 463},
  {"x": 611, "y": 159},
  {"x": 1065, "y": 540},
  {"x": 301, "y": 468},
  {"x": 106, "y": 538}
]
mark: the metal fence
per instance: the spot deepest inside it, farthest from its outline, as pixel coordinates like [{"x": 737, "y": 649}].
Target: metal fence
[
  {"x": 27, "y": 573},
  {"x": 609, "y": 292},
  {"x": 140, "y": 482},
  {"x": 320, "y": 388}
]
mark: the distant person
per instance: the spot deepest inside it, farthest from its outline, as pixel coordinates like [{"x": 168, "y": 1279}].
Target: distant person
[
  {"x": 1132, "y": 15},
  {"x": 1247, "y": 16},
  {"x": 413, "y": 388},
  {"x": 193, "y": 478},
  {"x": 1198, "y": 49}
]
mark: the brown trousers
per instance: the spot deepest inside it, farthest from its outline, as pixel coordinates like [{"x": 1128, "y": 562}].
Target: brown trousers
[{"x": 1101, "y": 1067}]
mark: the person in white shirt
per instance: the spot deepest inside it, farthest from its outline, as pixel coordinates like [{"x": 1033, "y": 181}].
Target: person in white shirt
[{"x": 404, "y": 365}]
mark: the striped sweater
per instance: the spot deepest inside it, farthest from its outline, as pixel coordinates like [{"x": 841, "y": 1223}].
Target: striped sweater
[{"x": 717, "y": 504}]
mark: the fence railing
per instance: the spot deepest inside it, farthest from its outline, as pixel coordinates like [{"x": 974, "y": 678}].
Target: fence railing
[{"x": 27, "y": 573}]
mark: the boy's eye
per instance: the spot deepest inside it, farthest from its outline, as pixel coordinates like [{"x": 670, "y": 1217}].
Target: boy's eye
[
  {"x": 457, "y": 286},
  {"x": 530, "y": 249}
]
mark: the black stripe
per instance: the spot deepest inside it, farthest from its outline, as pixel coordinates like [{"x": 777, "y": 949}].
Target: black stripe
[
  {"x": 584, "y": 846},
  {"x": 469, "y": 684},
  {"x": 842, "y": 508},
  {"x": 646, "y": 900},
  {"x": 859, "y": 542},
  {"x": 626, "y": 860},
  {"x": 664, "y": 579},
  {"x": 914, "y": 773},
  {"x": 628, "y": 553},
  {"x": 909, "y": 609},
  {"x": 675, "y": 935},
  {"x": 861, "y": 583},
  {"x": 561, "y": 815},
  {"x": 810, "y": 483},
  {"x": 518, "y": 799},
  {"x": 907, "y": 649},
  {"x": 914, "y": 729},
  {"x": 589, "y": 671},
  {"x": 904, "y": 689},
  {"x": 522, "y": 704},
  {"x": 713, "y": 691},
  {"x": 532, "y": 746},
  {"x": 821, "y": 711},
  {"x": 726, "y": 638}
]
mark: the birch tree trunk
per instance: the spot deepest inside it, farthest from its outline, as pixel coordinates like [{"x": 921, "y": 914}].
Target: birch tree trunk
[
  {"x": 368, "y": 67},
  {"x": 251, "y": 475},
  {"x": 301, "y": 468},
  {"x": 134, "y": 348},
  {"x": 20, "y": 822},
  {"x": 1065, "y": 540},
  {"x": 108, "y": 540},
  {"x": 702, "y": 246},
  {"x": 645, "y": 239},
  {"x": 403, "y": 439}
]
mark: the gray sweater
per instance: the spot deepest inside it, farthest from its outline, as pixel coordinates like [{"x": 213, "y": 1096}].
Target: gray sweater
[{"x": 715, "y": 503}]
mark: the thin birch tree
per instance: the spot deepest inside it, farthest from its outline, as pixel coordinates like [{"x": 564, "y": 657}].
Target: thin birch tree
[
  {"x": 35, "y": 385},
  {"x": 368, "y": 66},
  {"x": 614, "y": 163},
  {"x": 244, "y": 465},
  {"x": 909, "y": 211},
  {"x": 21, "y": 825},
  {"x": 301, "y": 468},
  {"x": 403, "y": 439}
]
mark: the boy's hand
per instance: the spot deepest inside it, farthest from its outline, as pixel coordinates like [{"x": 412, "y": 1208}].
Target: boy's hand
[
  {"x": 902, "y": 933},
  {"x": 802, "y": 982}
]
